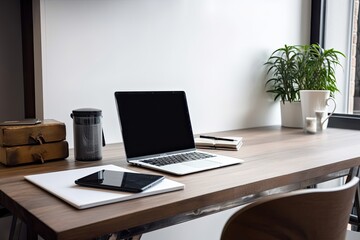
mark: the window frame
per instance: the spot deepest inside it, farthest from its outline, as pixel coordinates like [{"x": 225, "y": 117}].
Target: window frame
[{"x": 317, "y": 35}]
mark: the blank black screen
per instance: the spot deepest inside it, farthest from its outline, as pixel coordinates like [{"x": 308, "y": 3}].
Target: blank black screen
[
  {"x": 123, "y": 181},
  {"x": 154, "y": 122}
]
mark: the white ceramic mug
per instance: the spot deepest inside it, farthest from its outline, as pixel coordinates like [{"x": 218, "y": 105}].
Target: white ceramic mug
[
  {"x": 313, "y": 101},
  {"x": 322, "y": 117}
]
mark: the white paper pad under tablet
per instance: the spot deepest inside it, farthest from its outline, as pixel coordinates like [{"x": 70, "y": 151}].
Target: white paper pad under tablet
[{"x": 62, "y": 185}]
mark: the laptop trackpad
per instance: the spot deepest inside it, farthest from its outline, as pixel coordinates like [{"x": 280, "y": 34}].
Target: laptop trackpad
[{"x": 202, "y": 164}]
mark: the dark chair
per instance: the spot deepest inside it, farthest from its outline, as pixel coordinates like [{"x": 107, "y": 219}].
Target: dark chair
[{"x": 303, "y": 214}]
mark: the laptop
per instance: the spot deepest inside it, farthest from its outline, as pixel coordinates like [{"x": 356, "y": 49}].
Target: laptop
[{"x": 157, "y": 133}]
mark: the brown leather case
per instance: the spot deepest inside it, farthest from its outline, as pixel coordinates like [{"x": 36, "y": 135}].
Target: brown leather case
[
  {"x": 40, "y": 153},
  {"x": 21, "y": 144},
  {"x": 47, "y": 131}
]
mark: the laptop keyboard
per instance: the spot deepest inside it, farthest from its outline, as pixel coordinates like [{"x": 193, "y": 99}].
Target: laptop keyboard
[{"x": 178, "y": 158}]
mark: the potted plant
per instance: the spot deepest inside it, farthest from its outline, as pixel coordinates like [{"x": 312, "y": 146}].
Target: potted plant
[
  {"x": 316, "y": 78},
  {"x": 317, "y": 68},
  {"x": 283, "y": 69}
]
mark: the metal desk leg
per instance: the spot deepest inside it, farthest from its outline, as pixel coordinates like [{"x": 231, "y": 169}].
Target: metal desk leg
[
  {"x": 131, "y": 238},
  {"x": 15, "y": 228},
  {"x": 12, "y": 228},
  {"x": 31, "y": 235},
  {"x": 116, "y": 236}
]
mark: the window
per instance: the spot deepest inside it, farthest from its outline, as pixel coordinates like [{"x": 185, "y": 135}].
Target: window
[
  {"x": 334, "y": 25},
  {"x": 356, "y": 58}
]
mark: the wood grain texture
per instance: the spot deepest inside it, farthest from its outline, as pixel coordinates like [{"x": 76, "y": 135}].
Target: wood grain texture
[
  {"x": 274, "y": 157},
  {"x": 47, "y": 131},
  {"x": 16, "y": 155}
]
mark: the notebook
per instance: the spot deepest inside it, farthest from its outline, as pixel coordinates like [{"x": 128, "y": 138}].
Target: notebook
[{"x": 157, "y": 133}]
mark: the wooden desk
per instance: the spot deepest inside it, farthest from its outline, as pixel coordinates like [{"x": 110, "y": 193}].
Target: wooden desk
[{"x": 277, "y": 159}]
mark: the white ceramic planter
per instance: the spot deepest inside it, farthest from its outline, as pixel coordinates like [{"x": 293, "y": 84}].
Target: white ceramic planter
[{"x": 291, "y": 114}]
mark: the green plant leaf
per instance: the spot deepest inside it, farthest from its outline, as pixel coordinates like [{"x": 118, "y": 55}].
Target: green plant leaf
[{"x": 298, "y": 67}]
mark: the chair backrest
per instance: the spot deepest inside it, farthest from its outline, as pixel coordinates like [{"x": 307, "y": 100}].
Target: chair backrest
[{"x": 302, "y": 214}]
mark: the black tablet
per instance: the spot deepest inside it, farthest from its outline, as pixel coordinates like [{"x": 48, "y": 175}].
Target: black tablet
[{"x": 121, "y": 181}]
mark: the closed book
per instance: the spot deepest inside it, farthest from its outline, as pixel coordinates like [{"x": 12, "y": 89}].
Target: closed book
[
  {"x": 45, "y": 132},
  {"x": 16, "y": 155},
  {"x": 219, "y": 144}
]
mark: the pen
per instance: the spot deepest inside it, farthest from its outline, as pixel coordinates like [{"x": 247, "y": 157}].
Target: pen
[{"x": 217, "y": 138}]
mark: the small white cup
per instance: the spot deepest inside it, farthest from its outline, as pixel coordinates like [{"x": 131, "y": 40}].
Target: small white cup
[
  {"x": 311, "y": 124},
  {"x": 321, "y": 117}
]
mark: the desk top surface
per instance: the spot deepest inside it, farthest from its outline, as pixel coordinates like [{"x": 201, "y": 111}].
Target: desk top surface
[{"x": 274, "y": 157}]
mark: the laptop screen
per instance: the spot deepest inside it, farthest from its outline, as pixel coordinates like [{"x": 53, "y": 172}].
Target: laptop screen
[{"x": 154, "y": 122}]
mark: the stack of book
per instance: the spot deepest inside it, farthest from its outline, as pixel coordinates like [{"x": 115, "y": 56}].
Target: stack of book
[{"x": 223, "y": 143}]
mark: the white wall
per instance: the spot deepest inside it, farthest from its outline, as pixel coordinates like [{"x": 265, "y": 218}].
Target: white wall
[{"x": 212, "y": 49}]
